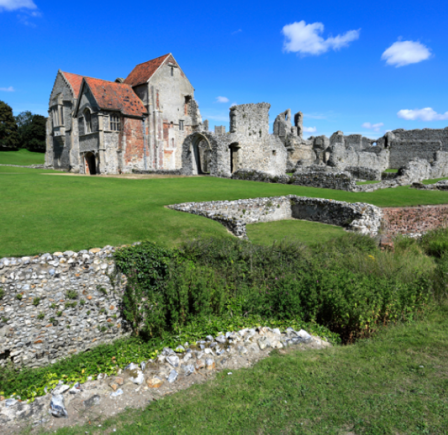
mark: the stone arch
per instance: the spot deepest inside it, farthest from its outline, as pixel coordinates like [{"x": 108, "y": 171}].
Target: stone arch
[{"x": 197, "y": 153}]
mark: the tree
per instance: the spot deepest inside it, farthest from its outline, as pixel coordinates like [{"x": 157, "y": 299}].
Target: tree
[
  {"x": 9, "y": 137},
  {"x": 32, "y": 131},
  {"x": 34, "y": 138}
]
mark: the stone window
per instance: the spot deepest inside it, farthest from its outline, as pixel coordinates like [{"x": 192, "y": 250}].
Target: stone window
[
  {"x": 172, "y": 71},
  {"x": 181, "y": 124},
  {"x": 115, "y": 122},
  {"x": 172, "y": 142},
  {"x": 87, "y": 121},
  {"x": 55, "y": 115}
]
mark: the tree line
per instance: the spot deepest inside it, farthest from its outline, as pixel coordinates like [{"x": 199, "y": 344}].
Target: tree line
[{"x": 26, "y": 130}]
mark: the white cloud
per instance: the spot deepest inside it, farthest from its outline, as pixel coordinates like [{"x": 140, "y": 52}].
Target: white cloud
[
  {"x": 234, "y": 104},
  {"x": 237, "y": 31},
  {"x": 306, "y": 39},
  {"x": 222, "y": 100},
  {"x": 309, "y": 129},
  {"x": 8, "y": 89},
  {"x": 403, "y": 53},
  {"x": 11, "y": 5},
  {"x": 374, "y": 127},
  {"x": 426, "y": 114}
]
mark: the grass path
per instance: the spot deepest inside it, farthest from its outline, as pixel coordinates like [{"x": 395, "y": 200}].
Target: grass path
[
  {"x": 41, "y": 213},
  {"x": 396, "y": 383},
  {"x": 21, "y": 157}
]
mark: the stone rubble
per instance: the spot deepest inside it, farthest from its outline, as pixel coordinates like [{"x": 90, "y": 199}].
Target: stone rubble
[{"x": 195, "y": 364}]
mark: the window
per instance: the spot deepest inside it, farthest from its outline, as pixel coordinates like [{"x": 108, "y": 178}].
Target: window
[
  {"x": 55, "y": 117},
  {"x": 61, "y": 117},
  {"x": 172, "y": 71},
  {"x": 88, "y": 121},
  {"x": 172, "y": 143},
  {"x": 181, "y": 124},
  {"x": 115, "y": 122}
]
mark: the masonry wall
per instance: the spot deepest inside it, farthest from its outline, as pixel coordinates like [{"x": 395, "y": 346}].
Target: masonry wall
[
  {"x": 234, "y": 215},
  {"x": 414, "y": 220},
  {"x": 403, "y": 152},
  {"x": 39, "y": 321},
  {"x": 133, "y": 144}
]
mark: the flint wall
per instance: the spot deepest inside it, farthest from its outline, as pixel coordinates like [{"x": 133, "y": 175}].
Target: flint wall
[{"x": 57, "y": 305}]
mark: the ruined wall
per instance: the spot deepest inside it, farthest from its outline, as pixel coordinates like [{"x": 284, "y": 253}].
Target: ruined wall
[
  {"x": 341, "y": 157},
  {"x": 414, "y": 220},
  {"x": 57, "y": 305},
  {"x": 249, "y": 145},
  {"x": 325, "y": 180},
  {"x": 234, "y": 215},
  {"x": 402, "y": 152}
]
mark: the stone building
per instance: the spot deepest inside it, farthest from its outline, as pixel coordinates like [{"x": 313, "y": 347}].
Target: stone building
[
  {"x": 140, "y": 122},
  {"x": 248, "y": 145}
]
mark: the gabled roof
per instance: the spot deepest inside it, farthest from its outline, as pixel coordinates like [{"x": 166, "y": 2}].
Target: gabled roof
[
  {"x": 75, "y": 81},
  {"x": 115, "y": 96},
  {"x": 144, "y": 71}
]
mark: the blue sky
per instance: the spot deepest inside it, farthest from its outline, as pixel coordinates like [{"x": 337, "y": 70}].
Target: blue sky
[{"x": 356, "y": 66}]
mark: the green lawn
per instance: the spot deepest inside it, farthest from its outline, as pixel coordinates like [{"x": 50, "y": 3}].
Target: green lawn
[
  {"x": 306, "y": 232},
  {"x": 21, "y": 157},
  {"x": 396, "y": 383},
  {"x": 45, "y": 213}
]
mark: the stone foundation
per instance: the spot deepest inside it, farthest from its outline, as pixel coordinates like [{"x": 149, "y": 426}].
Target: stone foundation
[{"x": 234, "y": 215}]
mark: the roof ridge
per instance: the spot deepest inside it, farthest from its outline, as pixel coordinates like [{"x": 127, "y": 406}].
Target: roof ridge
[{"x": 146, "y": 61}]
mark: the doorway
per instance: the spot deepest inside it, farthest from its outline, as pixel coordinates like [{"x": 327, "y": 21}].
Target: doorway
[
  {"x": 234, "y": 157},
  {"x": 90, "y": 164}
]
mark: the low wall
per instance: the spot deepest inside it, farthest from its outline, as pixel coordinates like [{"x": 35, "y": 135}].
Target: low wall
[
  {"x": 157, "y": 171},
  {"x": 414, "y": 220},
  {"x": 326, "y": 180},
  {"x": 41, "y": 322},
  {"x": 234, "y": 215},
  {"x": 363, "y": 173}
]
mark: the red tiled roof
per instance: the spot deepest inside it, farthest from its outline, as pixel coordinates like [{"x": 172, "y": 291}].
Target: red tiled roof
[
  {"x": 144, "y": 71},
  {"x": 75, "y": 81},
  {"x": 116, "y": 96}
]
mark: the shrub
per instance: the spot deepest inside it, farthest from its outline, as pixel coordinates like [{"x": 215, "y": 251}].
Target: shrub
[
  {"x": 19, "y": 296},
  {"x": 70, "y": 305},
  {"x": 435, "y": 242},
  {"x": 2, "y": 293},
  {"x": 53, "y": 306},
  {"x": 348, "y": 285},
  {"x": 40, "y": 316},
  {"x": 36, "y": 301},
  {"x": 59, "y": 313}
]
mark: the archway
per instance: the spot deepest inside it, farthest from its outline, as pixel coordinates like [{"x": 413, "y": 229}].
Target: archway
[
  {"x": 90, "y": 163},
  {"x": 197, "y": 154}
]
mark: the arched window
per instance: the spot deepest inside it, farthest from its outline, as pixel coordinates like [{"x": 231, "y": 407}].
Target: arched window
[{"x": 87, "y": 121}]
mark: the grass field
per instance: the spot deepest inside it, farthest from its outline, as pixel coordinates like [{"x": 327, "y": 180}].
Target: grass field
[
  {"x": 306, "y": 232},
  {"x": 396, "y": 383},
  {"x": 46, "y": 213},
  {"x": 21, "y": 157}
]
